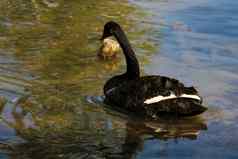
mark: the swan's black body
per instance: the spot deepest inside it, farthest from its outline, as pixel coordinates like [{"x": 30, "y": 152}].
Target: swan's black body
[{"x": 132, "y": 92}]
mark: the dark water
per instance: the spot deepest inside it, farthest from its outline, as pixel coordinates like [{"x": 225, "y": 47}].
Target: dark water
[{"x": 51, "y": 81}]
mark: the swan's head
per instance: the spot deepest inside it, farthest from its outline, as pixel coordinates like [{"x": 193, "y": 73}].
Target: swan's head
[{"x": 109, "y": 29}]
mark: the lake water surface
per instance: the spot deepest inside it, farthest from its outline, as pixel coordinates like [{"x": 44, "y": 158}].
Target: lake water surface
[
  {"x": 198, "y": 45},
  {"x": 51, "y": 80}
]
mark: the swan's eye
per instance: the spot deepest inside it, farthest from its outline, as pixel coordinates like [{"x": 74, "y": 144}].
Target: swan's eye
[{"x": 111, "y": 31}]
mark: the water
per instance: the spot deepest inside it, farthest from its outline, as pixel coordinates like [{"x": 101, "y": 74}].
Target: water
[
  {"x": 198, "y": 45},
  {"x": 51, "y": 80}
]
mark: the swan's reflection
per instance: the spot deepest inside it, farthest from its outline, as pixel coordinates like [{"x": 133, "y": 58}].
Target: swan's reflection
[
  {"x": 90, "y": 134},
  {"x": 169, "y": 128}
]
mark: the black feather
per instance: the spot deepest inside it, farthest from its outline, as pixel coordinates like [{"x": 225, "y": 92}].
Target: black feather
[{"x": 130, "y": 91}]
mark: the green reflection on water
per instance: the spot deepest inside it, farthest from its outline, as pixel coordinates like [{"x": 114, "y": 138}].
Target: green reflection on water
[{"x": 58, "y": 44}]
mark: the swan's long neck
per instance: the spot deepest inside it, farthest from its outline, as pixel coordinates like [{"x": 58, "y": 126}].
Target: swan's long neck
[{"x": 133, "y": 70}]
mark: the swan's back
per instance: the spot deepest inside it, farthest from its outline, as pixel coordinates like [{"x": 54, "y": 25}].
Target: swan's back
[{"x": 155, "y": 95}]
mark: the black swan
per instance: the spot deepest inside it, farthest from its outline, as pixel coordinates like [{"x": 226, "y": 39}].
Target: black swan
[{"x": 149, "y": 96}]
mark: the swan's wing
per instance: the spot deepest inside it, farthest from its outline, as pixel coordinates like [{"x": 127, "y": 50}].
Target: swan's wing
[
  {"x": 167, "y": 95},
  {"x": 160, "y": 88},
  {"x": 156, "y": 94}
]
